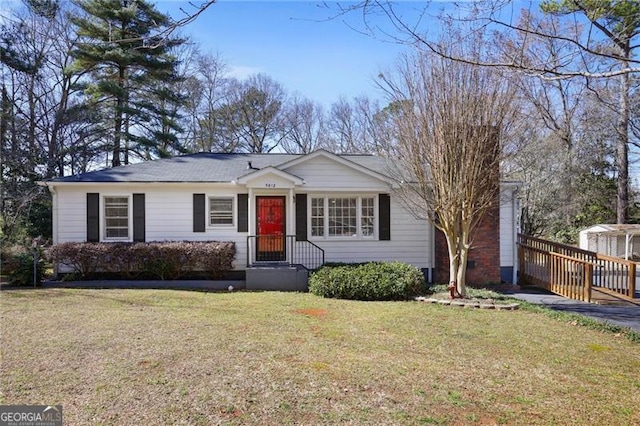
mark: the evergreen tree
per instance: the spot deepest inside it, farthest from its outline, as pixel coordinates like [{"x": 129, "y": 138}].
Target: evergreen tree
[{"x": 126, "y": 53}]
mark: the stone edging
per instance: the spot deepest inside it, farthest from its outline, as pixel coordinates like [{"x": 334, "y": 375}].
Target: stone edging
[{"x": 469, "y": 304}]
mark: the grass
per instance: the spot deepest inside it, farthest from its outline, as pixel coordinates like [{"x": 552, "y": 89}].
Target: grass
[{"x": 166, "y": 357}]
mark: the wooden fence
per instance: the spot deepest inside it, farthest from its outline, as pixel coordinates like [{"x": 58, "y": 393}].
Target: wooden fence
[{"x": 573, "y": 272}]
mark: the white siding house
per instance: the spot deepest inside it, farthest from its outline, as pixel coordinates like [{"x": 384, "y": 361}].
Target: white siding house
[{"x": 268, "y": 204}]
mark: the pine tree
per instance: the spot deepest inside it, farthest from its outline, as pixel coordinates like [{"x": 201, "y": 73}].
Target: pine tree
[{"x": 126, "y": 53}]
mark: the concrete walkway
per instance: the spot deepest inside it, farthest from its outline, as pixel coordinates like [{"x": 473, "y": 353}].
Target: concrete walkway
[{"x": 625, "y": 316}]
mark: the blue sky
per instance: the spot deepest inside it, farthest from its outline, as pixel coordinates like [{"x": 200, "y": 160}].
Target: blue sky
[{"x": 295, "y": 43}]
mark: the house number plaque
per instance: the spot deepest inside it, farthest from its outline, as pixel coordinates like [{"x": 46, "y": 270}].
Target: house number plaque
[{"x": 270, "y": 185}]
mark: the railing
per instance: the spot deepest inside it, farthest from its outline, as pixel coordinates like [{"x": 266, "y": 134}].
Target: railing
[
  {"x": 275, "y": 249},
  {"x": 573, "y": 272}
]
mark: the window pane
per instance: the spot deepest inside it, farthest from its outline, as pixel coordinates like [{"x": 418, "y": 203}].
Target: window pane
[
  {"x": 116, "y": 217},
  {"x": 221, "y": 211},
  {"x": 367, "y": 218},
  {"x": 317, "y": 217},
  {"x": 342, "y": 217}
]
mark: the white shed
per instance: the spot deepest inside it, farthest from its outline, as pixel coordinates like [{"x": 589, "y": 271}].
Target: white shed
[{"x": 613, "y": 240}]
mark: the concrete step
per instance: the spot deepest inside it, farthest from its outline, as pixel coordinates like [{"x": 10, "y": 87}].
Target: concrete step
[{"x": 277, "y": 277}]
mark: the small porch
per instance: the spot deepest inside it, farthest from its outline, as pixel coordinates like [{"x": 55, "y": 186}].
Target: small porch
[
  {"x": 280, "y": 262},
  {"x": 278, "y": 255}
]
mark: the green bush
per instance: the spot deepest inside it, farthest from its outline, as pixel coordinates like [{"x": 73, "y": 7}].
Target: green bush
[
  {"x": 369, "y": 281},
  {"x": 19, "y": 269}
]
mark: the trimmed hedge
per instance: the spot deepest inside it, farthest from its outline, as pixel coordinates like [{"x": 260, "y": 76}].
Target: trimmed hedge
[
  {"x": 368, "y": 281},
  {"x": 168, "y": 260}
]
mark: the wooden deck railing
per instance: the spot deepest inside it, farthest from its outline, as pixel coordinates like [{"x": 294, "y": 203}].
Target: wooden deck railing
[{"x": 573, "y": 272}]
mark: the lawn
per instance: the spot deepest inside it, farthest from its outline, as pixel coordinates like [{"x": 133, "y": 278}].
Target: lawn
[{"x": 178, "y": 357}]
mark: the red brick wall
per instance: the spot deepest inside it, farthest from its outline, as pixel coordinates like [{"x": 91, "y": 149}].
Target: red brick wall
[{"x": 484, "y": 253}]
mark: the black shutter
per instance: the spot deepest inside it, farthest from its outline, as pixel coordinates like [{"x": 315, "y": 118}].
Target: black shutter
[
  {"x": 198, "y": 213},
  {"x": 93, "y": 217},
  {"x": 243, "y": 212},
  {"x": 138, "y": 218},
  {"x": 384, "y": 217},
  {"x": 301, "y": 217}
]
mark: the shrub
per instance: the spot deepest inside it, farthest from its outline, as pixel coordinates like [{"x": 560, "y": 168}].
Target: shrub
[
  {"x": 164, "y": 260},
  {"x": 369, "y": 281},
  {"x": 19, "y": 269}
]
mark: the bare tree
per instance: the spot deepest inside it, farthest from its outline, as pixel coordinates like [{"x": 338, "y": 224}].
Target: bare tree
[
  {"x": 448, "y": 122},
  {"x": 352, "y": 125},
  {"x": 303, "y": 126},
  {"x": 251, "y": 118},
  {"x": 599, "y": 38}
]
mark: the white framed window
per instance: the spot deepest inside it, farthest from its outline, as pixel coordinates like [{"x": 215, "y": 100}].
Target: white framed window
[
  {"x": 367, "y": 216},
  {"x": 221, "y": 211},
  {"x": 116, "y": 217},
  {"x": 343, "y": 217},
  {"x": 317, "y": 217}
]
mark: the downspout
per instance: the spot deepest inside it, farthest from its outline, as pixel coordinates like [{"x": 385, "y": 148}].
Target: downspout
[
  {"x": 432, "y": 244},
  {"x": 515, "y": 214},
  {"x": 627, "y": 240},
  {"x": 251, "y": 213},
  {"x": 290, "y": 230}
]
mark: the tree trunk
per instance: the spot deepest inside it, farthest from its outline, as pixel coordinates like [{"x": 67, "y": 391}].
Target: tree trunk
[
  {"x": 117, "y": 137},
  {"x": 454, "y": 263},
  {"x": 622, "y": 149}
]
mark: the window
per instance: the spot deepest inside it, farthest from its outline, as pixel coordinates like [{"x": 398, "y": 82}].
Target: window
[
  {"x": 317, "y": 217},
  {"x": 221, "y": 211},
  {"x": 352, "y": 217},
  {"x": 367, "y": 217},
  {"x": 116, "y": 217},
  {"x": 342, "y": 217}
]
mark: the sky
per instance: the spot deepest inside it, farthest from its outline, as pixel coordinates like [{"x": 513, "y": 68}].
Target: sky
[{"x": 296, "y": 43}]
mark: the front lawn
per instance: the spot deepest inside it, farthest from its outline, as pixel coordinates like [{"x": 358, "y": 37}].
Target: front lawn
[{"x": 166, "y": 357}]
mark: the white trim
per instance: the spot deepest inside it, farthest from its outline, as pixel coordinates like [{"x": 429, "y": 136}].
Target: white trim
[
  {"x": 126, "y": 184},
  {"x": 244, "y": 179},
  {"x": 358, "y": 236},
  {"x": 290, "y": 209},
  {"x": 234, "y": 209}
]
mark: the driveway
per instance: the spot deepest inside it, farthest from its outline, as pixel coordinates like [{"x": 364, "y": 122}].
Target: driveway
[{"x": 627, "y": 315}]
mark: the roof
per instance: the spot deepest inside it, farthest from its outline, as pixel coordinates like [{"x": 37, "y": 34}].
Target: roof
[
  {"x": 613, "y": 229},
  {"x": 205, "y": 167}
]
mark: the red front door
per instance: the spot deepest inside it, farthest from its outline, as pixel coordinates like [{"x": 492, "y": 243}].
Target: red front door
[{"x": 270, "y": 220}]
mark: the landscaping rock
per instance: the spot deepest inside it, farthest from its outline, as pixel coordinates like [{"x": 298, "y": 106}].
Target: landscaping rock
[{"x": 487, "y": 306}]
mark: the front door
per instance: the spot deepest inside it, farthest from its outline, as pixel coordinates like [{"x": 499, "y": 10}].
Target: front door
[{"x": 270, "y": 220}]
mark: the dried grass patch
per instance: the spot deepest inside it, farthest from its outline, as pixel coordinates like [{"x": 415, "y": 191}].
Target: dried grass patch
[{"x": 311, "y": 312}]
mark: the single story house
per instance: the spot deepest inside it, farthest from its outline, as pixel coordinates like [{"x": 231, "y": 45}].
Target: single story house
[{"x": 279, "y": 209}]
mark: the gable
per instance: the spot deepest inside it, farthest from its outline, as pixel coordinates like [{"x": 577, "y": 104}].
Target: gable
[
  {"x": 325, "y": 173},
  {"x": 270, "y": 180}
]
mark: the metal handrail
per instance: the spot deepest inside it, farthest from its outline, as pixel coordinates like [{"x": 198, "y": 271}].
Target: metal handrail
[{"x": 284, "y": 249}]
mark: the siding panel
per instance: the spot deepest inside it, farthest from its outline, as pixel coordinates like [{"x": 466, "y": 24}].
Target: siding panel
[
  {"x": 324, "y": 173},
  {"x": 507, "y": 237}
]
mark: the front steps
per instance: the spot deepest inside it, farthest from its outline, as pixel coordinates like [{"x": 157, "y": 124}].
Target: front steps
[{"x": 277, "y": 277}]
